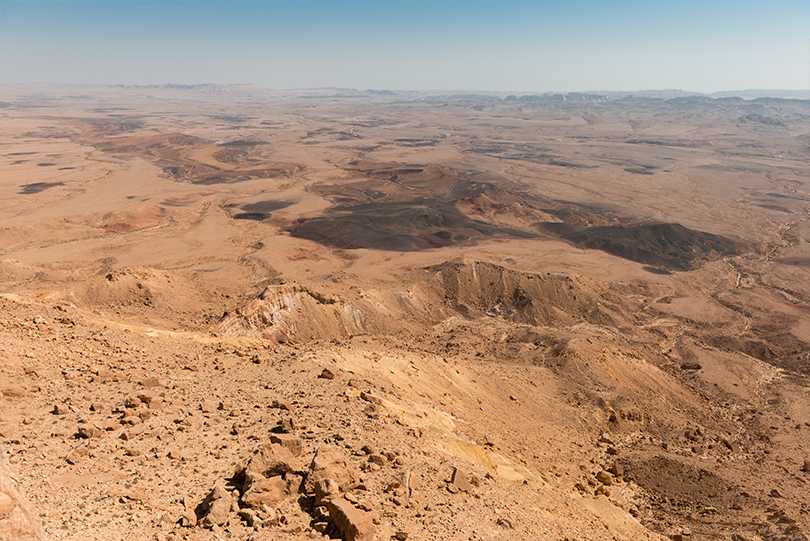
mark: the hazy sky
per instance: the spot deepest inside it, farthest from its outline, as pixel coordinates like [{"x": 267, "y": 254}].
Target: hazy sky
[{"x": 526, "y": 45}]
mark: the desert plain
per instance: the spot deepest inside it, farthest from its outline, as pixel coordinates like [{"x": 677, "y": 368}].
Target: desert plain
[{"x": 230, "y": 313}]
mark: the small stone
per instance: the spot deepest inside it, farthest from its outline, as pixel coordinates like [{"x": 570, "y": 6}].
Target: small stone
[
  {"x": 616, "y": 469},
  {"x": 135, "y": 495},
  {"x": 604, "y": 477},
  {"x": 294, "y": 483},
  {"x": 373, "y": 411},
  {"x": 151, "y": 381},
  {"x": 89, "y": 431},
  {"x": 209, "y": 406},
  {"x": 225, "y": 405},
  {"x": 806, "y": 466},
  {"x": 459, "y": 480},
  {"x": 278, "y": 404},
  {"x": 374, "y": 399},
  {"x": 288, "y": 424},
  {"x": 131, "y": 433},
  {"x": 327, "y": 374},
  {"x": 732, "y": 445},
  {"x": 132, "y": 402},
  {"x": 401, "y": 535},
  {"x": 691, "y": 366},
  {"x": 176, "y": 454},
  {"x": 289, "y": 441},
  {"x": 189, "y": 518},
  {"x": 13, "y": 391},
  {"x": 105, "y": 374},
  {"x": 76, "y": 455},
  {"x": 251, "y": 517},
  {"x": 61, "y": 409}
]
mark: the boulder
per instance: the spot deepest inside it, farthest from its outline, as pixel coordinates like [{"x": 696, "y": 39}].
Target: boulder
[
  {"x": 217, "y": 513},
  {"x": 266, "y": 491},
  {"x": 353, "y": 524},
  {"x": 330, "y": 463},
  {"x": 325, "y": 490},
  {"x": 272, "y": 460}
]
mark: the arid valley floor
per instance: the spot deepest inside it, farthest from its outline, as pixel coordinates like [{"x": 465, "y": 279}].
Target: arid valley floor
[{"x": 234, "y": 314}]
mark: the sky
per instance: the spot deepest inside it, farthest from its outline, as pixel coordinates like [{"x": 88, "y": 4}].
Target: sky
[{"x": 522, "y": 45}]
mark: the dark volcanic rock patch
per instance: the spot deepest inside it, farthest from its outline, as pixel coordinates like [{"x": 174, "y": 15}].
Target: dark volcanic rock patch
[
  {"x": 256, "y": 216},
  {"x": 232, "y": 177},
  {"x": 417, "y": 142},
  {"x": 258, "y": 211},
  {"x": 241, "y": 143},
  {"x": 36, "y": 187},
  {"x": 266, "y": 206},
  {"x": 670, "y": 246},
  {"x": 405, "y": 226}
]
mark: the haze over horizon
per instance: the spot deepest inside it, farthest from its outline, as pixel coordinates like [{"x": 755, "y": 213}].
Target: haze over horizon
[{"x": 419, "y": 45}]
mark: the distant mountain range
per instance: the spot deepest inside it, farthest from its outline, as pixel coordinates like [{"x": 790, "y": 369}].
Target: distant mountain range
[
  {"x": 250, "y": 90},
  {"x": 749, "y": 94}
]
